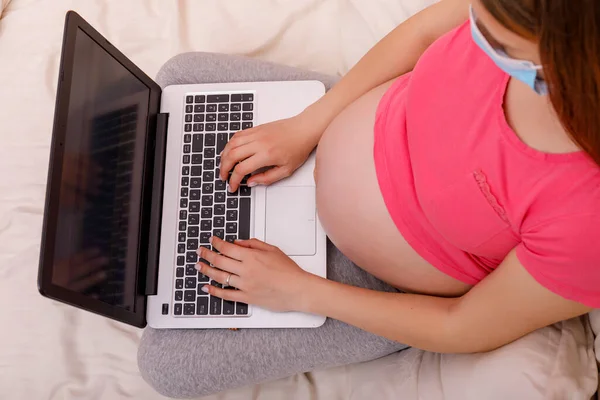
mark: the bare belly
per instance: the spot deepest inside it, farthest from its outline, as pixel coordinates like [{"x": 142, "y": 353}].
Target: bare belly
[{"x": 352, "y": 209}]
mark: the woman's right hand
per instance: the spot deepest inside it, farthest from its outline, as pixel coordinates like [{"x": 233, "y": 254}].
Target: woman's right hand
[{"x": 283, "y": 145}]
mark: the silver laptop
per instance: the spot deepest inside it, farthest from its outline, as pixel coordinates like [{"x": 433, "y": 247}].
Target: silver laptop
[{"x": 134, "y": 190}]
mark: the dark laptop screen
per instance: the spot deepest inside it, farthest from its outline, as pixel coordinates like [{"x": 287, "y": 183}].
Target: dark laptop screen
[{"x": 97, "y": 233}]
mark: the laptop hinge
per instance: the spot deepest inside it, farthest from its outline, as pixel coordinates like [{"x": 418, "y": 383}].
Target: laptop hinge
[{"x": 160, "y": 143}]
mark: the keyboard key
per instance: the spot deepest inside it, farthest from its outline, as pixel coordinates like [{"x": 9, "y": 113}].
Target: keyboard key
[
  {"x": 180, "y": 260},
  {"x": 221, "y": 141},
  {"x": 236, "y": 117},
  {"x": 187, "y": 138},
  {"x": 188, "y": 128},
  {"x": 197, "y": 158},
  {"x": 192, "y": 244},
  {"x": 211, "y": 108},
  {"x": 199, "y": 108},
  {"x": 247, "y": 116},
  {"x": 200, "y": 98},
  {"x": 199, "y": 118},
  {"x": 179, "y": 272},
  {"x": 247, "y": 97},
  {"x": 220, "y": 233},
  {"x": 220, "y": 185},
  {"x": 177, "y": 310},
  {"x": 202, "y": 305},
  {"x": 182, "y": 214},
  {"x": 211, "y": 117},
  {"x": 232, "y": 202},
  {"x": 228, "y": 307},
  {"x": 193, "y": 232},
  {"x": 179, "y": 284},
  {"x": 187, "y": 148},
  {"x": 189, "y": 99},
  {"x": 181, "y": 237},
  {"x": 196, "y": 170},
  {"x": 219, "y": 209},
  {"x": 233, "y": 194},
  {"x": 236, "y": 97},
  {"x": 223, "y": 117},
  {"x": 206, "y": 212},
  {"x": 209, "y": 152},
  {"x": 182, "y": 226},
  {"x": 184, "y": 192},
  {"x": 219, "y": 222},
  {"x": 188, "y": 117},
  {"x": 195, "y": 194},
  {"x": 209, "y": 139},
  {"x": 230, "y": 238},
  {"x": 223, "y": 107},
  {"x": 235, "y": 126},
  {"x": 202, "y": 278},
  {"x": 189, "y": 108},
  {"x": 232, "y": 215},
  {"x": 208, "y": 176},
  {"x": 178, "y": 295},
  {"x": 189, "y": 309},
  {"x": 206, "y": 225},
  {"x": 190, "y": 269},
  {"x": 219, "y": 197},
  {"x": 198, "y": 127},
  {"x": 195, "y": 183},
  {"x": 215, "y": 305},
  {"x": 207, "y": 201},
  {"x": 241, "y": 308},
  {"x": 209, "y": 164},
  {"x": 245, "y": 191},
  {"x": 211, "y": 127},
  {"x": 194, "y": 219},
  {"x": 236, "y": 107},
  {"x": 197, "y": 143},
  {"x": 231, "y": 227},
  {"x": 185, "y": 170},
  {"x": 248, "y": 107},
  {"x": 244, "y": 219},
  {"x": 246, "y": 125},
  {"x": 185, "y": 181},
  {"x": 189, "y": 295},
  {"x": 218, "y": 98},
  {"x": 186, "y": 159},
  {"x": 191, "y": 257},
  {"x": 194, "y": 206},
  {"x": 181, "y": 248},
  {"x": 183, "y": 203},
  {"x": 205, "y": 236},
  {"x": 222, "y": 126},
  {"x": 207, "y": 188},
  {"x": 190, "y": 282}
]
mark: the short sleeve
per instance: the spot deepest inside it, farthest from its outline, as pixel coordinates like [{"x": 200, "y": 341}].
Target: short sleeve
[{"x": 563, "y": 255}]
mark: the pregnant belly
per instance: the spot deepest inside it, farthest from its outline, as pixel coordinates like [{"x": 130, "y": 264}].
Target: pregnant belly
[{"x": 352, "y": 209}]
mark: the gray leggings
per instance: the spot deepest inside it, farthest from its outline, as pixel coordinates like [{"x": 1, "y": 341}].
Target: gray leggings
[{"x": 194, "y": 363}]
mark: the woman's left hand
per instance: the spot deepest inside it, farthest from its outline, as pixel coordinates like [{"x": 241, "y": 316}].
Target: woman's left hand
[{"x": 264, "y": 275}]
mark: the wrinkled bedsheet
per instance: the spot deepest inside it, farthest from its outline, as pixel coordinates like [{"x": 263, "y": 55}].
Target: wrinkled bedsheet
[{"x": 51, "y": 351}]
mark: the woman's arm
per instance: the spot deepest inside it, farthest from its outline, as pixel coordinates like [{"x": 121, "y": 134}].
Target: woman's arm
[
  {"x": 505, "y": 306},
  {"x": 394, "y": 55}
]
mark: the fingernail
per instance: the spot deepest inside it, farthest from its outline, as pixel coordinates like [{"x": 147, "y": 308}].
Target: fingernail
[
  {"x": 199, "y": 251},
  {"x": 204, "y": 289},
  {"x": 210, "y": 239},
  {"x": 198, "y": 266},
  {"x": 252, "y": 184}
]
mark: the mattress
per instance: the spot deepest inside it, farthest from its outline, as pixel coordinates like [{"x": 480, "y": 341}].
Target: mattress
[{"x": 52, "y": 351}]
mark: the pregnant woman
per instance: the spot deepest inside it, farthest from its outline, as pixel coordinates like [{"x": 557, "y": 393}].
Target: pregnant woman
[{"x": 457, "y": 176}]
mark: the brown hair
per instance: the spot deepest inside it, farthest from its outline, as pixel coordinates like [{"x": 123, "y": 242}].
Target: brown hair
[{"x": 568, "y": 33}]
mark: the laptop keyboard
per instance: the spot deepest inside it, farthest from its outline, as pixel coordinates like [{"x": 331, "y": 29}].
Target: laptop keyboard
[{"x": 206, "y": 208}]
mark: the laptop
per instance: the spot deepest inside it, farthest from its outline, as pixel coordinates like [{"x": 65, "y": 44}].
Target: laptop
[{"x": 134, "y": 190}]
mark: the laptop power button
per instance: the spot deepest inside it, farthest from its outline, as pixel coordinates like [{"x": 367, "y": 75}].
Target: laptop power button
[{"x": 165, "y": 308}]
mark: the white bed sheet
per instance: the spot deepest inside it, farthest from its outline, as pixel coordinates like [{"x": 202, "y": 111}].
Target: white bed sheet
[{"x": 51, "y": 351}]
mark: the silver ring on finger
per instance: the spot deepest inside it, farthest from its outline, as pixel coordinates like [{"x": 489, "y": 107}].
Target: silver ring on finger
[{"x": 228, "y": 278}]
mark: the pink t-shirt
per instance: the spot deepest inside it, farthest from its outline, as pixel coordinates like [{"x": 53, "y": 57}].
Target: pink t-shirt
[{"x": 464, "y": 190}]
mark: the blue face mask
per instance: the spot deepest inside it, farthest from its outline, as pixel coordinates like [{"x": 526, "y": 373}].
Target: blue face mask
[{"x": 525, "y": 71}]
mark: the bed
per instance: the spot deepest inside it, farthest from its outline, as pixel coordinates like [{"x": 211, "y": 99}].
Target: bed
[{"x": 51, "y": 351}]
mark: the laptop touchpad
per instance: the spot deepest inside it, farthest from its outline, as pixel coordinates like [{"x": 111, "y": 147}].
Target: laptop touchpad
[{"x": 291, "y": 219}]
